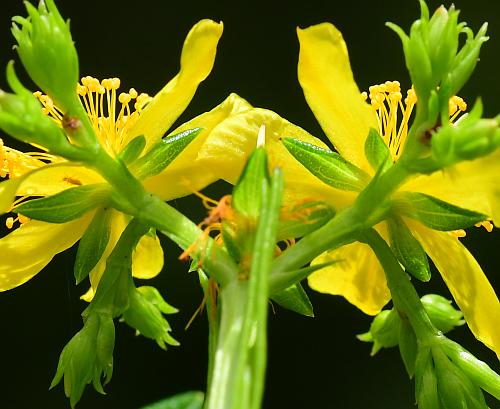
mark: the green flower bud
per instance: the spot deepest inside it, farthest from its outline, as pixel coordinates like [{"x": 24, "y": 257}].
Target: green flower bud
[
  {"x": 469, "y": 138},
  {"x": 384, "y": 331},
  {"x": 455, "y": 389},
  {"x": 21, "y": 117},
  {"x": 443, "y": 32},
  {"x": 87, "y": 357},
  {"x": 464, "y": 62},
  {"x": 441, "y": 312},
  {"x": 144, "y": 313},
  {"x": 46, "y": 50}
]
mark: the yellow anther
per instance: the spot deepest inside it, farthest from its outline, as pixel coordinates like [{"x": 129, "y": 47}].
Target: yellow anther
[
  {"x": 458, "y": 233},
  {"x": 133, "y": 93},
  {"x": 124, "y": 98},
  {"x": 141, "y": 101},
  {"x": 23, "y": 219},
  {"x": 9, "y": 222},
  {"x": 488, "y": 225},
  {"x": 364, "y": 95},
  {"x": 81, "y": 89}
]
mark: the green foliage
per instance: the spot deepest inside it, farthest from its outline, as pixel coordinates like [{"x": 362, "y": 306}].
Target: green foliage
[
  {"x": 435, "y": 213},
  {"x": 186, "y": 400},
  {"x": 376, "y": 151},
  {"x": 408, "y": 250},
  {"x": 162, "y": 153},
  {"x": 327, "y": 166},
  {"x": 92, "y": 244},
  {"x": 67, "y": 205},
  {"x": 133, "y": 149}
]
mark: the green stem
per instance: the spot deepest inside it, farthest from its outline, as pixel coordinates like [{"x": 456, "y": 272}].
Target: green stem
[
  {"x": 151, "y": 210},
  {"x": 240, "y": 359},
  {"x": 404, "y": 295},
  {"x": 344, "y": 228}
]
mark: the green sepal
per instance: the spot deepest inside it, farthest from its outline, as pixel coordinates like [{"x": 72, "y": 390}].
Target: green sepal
[
  {"x": 455, "y": 389},
  {"x": 133, "y": 149},
  {"x": 92, "y": 244},
  {"x": 231, "y": 240},
  {"x": 436, "y": 213},
  {"x": 408, "y": 347},
  {"x": 304, "y": 218},
  {"x": 67, "y": 205},
  {"x": 408, "y": 250},
  {"x": 163, "y": 153},
  {"x": 247, "y": 193},
  {"x": 426, "y": 389},
  {"x": 145, "y": 313},
  {"x": 186, "y": 400},
  {"x": 376, "y": 151},
  {"x": 295, "y": 299},
  {"x": 328, "y": 166}
]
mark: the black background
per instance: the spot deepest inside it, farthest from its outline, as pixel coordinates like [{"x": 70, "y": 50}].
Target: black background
[{"x": 313, "y": 363}]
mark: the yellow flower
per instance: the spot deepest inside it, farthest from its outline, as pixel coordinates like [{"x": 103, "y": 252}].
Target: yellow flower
[
  {"x": 327, "y": 80},
  {"x": 31, "y": 246}
]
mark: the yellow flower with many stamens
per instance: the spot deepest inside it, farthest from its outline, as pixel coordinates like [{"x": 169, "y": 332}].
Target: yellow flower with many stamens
[
  {"x": 117, "y": 118},
  {"x": 327, "y": 80}
]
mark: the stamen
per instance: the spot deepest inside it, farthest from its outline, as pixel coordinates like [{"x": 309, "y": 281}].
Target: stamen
[
  {"x": 458, "y": 233},
  {"x": 387, "y": 102},
  {"x": 14, "y": 163},
  {"x": 487, "y": 224}
]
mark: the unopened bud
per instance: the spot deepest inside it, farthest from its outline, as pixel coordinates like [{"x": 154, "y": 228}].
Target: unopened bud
[{"x": 441, "y": 312}]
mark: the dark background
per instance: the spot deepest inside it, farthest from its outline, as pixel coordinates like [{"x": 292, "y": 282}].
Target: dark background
[{"x": 313, "y": 363}]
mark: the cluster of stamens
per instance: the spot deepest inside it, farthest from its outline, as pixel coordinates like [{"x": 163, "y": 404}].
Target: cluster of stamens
[{"x": 110, "y": 120}]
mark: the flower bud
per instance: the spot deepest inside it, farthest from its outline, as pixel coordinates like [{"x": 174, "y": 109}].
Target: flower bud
[
  {"x": 470, "y": 138},
  {"x": 144, "y": 313},
  {"x": 21, "y": 117},
  {"x": 441, "y": 312},
  {"x": 46, "y": 49},
  {"x": 384, "y": 331},
  {"x": 86, "y": 357}
]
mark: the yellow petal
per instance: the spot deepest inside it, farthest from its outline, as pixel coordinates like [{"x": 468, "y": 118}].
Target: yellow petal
[
  {"x": 327, "y": 80},
  {"x": 52, "y": 179},
  {"x": 118, "y": 222},
  {"x": 197, "y": 60},
  {"x": 29, "y": 248},
  {"x": 147, "y": 260},
  {"x": 231, "y": 142},
  {"x": 357, "y": 276},
  {"x": 186, "y": 174},
  {"x": 473, "y": 185},
  {"x": 466, "y": 281}
]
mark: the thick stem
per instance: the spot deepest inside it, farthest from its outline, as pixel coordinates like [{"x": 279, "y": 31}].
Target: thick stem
[{"x": 404, "y": 295}]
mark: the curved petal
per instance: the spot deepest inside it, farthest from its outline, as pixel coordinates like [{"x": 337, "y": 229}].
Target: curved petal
[
  {"x": 466, "y": 281},
  {"x": 228, "y": 146},
  {"x": 325, "y": 76},
  {"x": 357, "y": 276},
  {"x": 147, "y": 260},
  {"x": 186, "y": 174},
  {"x": 473, "y": 185},
  {"x": 29, "y": 248},
  {"x": 197, "y": 60}
]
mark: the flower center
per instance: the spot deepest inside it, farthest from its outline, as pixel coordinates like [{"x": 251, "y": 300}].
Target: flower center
[
  {"x": 110, "y": 114},
  {"x": 393, "y": 113}
]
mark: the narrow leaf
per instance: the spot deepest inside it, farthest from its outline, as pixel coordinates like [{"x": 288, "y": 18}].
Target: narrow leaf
[
  {"x": 163, "y": 153},
  {"x": 408, "y": 250},
  {"x": 133, "y": 149},
  {"x": 65, "y": 206},
  {"x": 327, "y": 166},
  {"x": 92, "y": 244},
  {"x": 294, "y": 298},
  {"x": 376, "y": 150},
  {"x": 186, "y": 400},
  {"x": 435, "y": 213}
]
